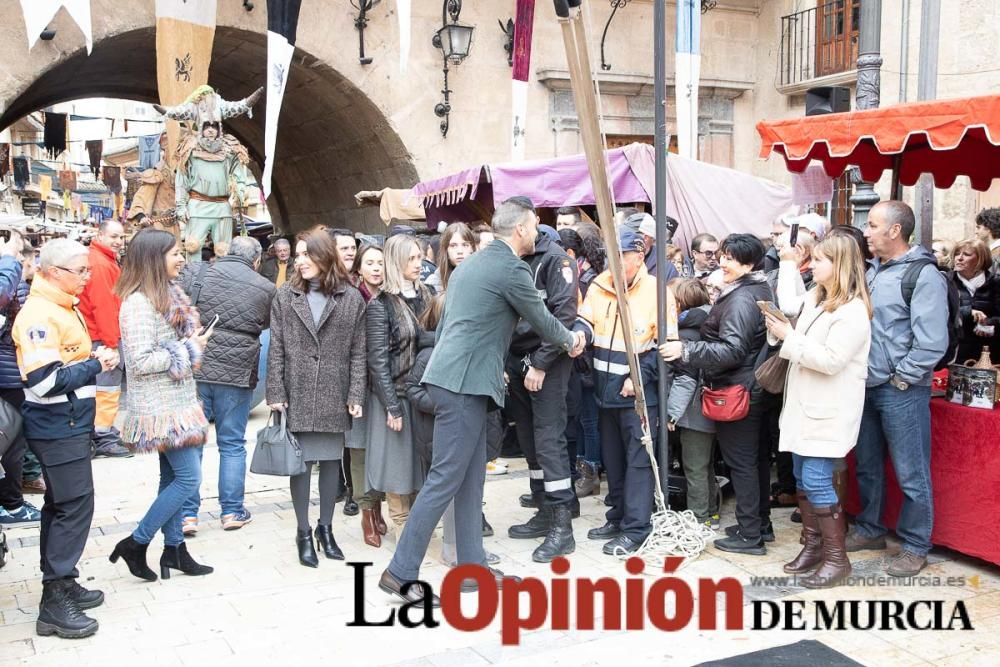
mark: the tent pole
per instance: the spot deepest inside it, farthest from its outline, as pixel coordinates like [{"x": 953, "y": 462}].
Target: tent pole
[{"x": 660, "y": 213}]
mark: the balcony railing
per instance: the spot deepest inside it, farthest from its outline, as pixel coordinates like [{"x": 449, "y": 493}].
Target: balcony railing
[{"x": 819, "y": 42}]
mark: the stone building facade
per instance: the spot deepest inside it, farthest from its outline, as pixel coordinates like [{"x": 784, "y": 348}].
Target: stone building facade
[{"x": 348, "y": 126}]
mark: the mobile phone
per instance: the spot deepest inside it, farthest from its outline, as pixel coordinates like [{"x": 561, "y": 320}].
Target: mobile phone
[
  {"x": 793, "y": 235},
  {"x": 211, "y": 324},
  {"x": 770, "y": 307},
  {"x": 5, "y": 235}
]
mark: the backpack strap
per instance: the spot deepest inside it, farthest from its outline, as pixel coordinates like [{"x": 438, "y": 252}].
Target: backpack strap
[
  {"x": 196, "y": 288},
  {"x": 910, "y": 277}
]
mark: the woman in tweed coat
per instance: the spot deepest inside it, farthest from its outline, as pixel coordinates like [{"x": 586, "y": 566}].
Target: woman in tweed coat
[
  {"x": 316, "y": 373},
  {"x": 161, "y": 348}
]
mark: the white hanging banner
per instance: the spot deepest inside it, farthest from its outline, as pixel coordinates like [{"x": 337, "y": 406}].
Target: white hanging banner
[
  {"x": 687, "y": 76},
  {"x": 518, "y": 116},
  {"x": 282, "y": 24},
  {"x": 39, "y": 13},
  {"x": 279, "y": 59},
  {"x": 403, "y": 15}
]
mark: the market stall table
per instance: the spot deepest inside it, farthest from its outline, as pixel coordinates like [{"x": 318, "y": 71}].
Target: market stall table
[{"x": 965, "y": 473}]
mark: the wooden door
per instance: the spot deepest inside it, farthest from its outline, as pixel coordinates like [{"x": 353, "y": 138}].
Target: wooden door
[{"x": 837, "y": 36}]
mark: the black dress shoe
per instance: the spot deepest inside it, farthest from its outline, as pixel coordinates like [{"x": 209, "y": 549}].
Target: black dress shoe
[
  {"x": 472, "y": 585},
  {"x": 487, "y": 528},
  {"x": 393, "y": 586},
  {"x": 621, "y": 544},
  {"x": 766, "y": 531},
  {"x": 605, "y": 532}
]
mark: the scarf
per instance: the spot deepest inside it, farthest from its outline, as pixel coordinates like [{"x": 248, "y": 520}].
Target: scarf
[
  {"x": 973, "y": 283},
  {"x": 748, "y": 279}
]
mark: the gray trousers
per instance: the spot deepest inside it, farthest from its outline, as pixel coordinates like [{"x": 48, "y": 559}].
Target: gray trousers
[
  {"x": 702, "y": 488},
  {"x": 458, "y": 472},
  {"x": 69, "y": 504}
]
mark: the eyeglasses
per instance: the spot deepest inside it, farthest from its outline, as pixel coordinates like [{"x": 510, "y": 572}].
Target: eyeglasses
[
  {"x": 85, "y": 271},
  {"x": 708, "y": 253}
]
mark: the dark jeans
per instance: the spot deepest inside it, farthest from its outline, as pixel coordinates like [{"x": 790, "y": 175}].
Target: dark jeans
[
  {"x": 180, "y": 475},
  {"x": 748, "y": 458},
  {"x": 69, "y": 504},
  {"x": 230, "y": 408},
  {"x": 629, "y": 471},
  {"x": 589, "y": 439},
  {"x": 458, "y": 472},
  {"x": 899, "y": 421},
  {"x": 11, "y": 497}
]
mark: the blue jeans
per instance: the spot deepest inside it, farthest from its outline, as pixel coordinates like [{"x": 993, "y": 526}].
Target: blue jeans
[
  {"x": 180, "y": 476},
  {"x": 814, "y": 475},
  {"x": 229, "y": 407},
  {"x": 901, "y": 421},
  {"x": 589, "y": 441}
]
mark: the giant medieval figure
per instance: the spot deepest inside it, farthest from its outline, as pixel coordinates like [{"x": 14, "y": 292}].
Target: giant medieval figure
[{"x": 212, "y": 174}]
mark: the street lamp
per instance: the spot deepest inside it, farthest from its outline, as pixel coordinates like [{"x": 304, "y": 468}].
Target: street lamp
[{"x": 455, "y": 40}]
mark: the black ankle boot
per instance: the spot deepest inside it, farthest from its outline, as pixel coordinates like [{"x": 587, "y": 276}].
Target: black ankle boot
[
  {"x": 134, "y": 555},
  {"x": 178, "y": 558},
  {"x": 307, "y": 552},
  {"x": 84, "y": 599},
  {"x": 59, "y": 614},
  {"x": 559, "y": 541},
  {"x": 324, "y": 537},
  {"x": 536, "y": 526}
]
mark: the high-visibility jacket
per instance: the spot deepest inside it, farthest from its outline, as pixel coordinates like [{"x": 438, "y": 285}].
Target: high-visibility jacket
[
  {"x": 599, "y": 320},
  {"x": 53, "y": 355},
  {"x": 98, "y": 303}
]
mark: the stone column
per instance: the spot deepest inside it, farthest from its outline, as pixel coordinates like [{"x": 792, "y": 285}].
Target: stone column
[{"x": 867, "y": 96}]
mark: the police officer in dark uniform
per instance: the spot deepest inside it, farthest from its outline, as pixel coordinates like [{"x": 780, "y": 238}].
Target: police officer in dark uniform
[{"x": 539, "y": 379}]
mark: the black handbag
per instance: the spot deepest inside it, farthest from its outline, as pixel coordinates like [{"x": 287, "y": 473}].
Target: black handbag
[
  {"x": 10, "y": 425},
  {"x": 277, "y": 451}
]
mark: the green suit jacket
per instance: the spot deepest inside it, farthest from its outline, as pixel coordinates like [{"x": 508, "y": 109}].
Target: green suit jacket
[{"x": 487, "y": 294}]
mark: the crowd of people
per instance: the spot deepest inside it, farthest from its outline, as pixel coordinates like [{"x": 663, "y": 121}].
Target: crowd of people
[{"x": 400, "y": 368}]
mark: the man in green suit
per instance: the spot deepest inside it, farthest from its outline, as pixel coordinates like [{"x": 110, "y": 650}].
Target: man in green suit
[{"x": 487, "y": 295}]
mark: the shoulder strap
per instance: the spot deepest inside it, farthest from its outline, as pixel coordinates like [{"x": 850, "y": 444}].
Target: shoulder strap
[
  {"x": 910, "y": 277},
  {"x": 196, "y": 288}
]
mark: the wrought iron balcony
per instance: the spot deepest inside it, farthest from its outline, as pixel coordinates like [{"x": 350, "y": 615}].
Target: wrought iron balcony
[{"x": 819, "y": 43}]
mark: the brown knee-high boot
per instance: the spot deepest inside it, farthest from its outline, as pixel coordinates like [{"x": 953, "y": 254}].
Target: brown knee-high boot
[
  {"x": 836, "y": 567},
  {"x": 812, "y": 553}
]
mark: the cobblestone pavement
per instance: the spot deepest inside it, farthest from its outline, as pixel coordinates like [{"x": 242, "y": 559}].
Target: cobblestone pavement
[{"x": 261, "y": 607}]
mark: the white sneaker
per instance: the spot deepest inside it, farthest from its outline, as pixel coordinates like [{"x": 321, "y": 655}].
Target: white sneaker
[{"x": 496, "y": 468}]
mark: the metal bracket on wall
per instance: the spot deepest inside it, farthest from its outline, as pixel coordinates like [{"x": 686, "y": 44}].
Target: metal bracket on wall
[
  {"x": 615, "y": 5},
  {"x": 361, "y": 22}
]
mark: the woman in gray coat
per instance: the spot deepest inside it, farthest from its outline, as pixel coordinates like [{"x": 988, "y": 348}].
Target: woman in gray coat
[{"x": 316, "y": 374}]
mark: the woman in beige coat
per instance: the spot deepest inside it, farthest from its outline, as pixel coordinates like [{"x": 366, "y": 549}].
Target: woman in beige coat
[{"x": 827, "y": 353}]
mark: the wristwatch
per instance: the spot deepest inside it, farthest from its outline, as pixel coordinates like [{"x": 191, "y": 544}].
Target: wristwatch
[{"x": 899, "y": 384}]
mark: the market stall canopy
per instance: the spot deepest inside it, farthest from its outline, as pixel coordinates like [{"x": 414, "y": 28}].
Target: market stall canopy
[
  {"x": 944, "y": 138},
  {"x": 393, "y": 203},
  {"x": 747, "y": 204}
]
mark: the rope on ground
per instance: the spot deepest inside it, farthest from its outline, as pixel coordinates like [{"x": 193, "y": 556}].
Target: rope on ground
[{"x": 673, "y": 533}]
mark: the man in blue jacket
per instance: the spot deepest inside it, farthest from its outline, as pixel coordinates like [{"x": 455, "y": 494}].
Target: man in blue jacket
[{"x": 908, "y": 340}]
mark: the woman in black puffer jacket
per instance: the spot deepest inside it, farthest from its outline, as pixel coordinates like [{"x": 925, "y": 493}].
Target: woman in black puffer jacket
[
  {"x": 733, "y": 344},
  {"x": 978, "y": 286}
]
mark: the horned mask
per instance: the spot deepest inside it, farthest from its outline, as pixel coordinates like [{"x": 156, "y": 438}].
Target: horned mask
[{"x": 204, "y": 105}]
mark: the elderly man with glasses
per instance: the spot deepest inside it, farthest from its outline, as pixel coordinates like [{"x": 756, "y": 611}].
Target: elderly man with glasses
[{"x": 59, "y": 369}]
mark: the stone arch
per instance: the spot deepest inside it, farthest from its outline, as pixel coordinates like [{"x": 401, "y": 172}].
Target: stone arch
[{"x": 333, "y": 140}]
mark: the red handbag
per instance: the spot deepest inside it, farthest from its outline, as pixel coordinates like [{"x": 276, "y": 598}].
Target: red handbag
[{"x": 729, "y": 404}]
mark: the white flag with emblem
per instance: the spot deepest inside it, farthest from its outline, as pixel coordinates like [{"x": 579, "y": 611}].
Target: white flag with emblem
[{"x": 282, "y": 22}]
